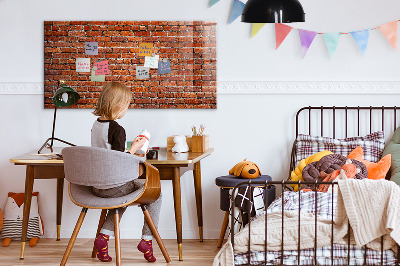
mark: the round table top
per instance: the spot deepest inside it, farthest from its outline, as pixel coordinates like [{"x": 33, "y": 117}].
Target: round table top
[{"x": 230, "y": 181}]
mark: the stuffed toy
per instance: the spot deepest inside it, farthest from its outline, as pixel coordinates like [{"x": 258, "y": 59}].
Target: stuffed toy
[
  {"x": 296, "y": 174},
  {"x": 245, "y": 169},
  {"x": 375, "y": 170},
  {"x": 13, "y": 215},
  {"x": 180, "y": 144}
]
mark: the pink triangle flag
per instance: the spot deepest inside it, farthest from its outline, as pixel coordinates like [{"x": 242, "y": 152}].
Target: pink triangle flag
[
  {"x": 306, "y": 39},
  {"x": 281, "y": 31},
  {"x": 389, "y": 30}
]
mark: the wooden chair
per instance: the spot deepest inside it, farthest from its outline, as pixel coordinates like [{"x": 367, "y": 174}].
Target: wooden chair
[{"x": 85, "y": 167}]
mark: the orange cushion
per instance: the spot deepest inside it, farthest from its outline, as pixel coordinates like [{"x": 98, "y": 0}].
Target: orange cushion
[{"x": 375, "y": 170}]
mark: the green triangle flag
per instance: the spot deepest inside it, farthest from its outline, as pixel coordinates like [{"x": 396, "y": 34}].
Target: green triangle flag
[
  {"x": 213, "y": 2},
  {"x": 332, "y": 41},
  {"x": 255, "y": 28}
]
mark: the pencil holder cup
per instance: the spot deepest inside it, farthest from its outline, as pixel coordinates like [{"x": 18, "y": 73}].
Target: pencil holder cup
[{"x": 200, "y": 143}]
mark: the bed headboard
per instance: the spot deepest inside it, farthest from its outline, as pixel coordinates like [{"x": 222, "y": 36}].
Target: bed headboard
[{"x": 344, "y": 121}]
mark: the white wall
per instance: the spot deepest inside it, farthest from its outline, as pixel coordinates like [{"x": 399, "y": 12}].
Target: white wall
[{"x": 258, "y": 127}]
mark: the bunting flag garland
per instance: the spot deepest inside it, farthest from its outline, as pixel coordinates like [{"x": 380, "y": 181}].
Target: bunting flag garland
[
  {"x": 213, "y": 2},
  {"x": 389, "y": 30},
  {"x": 332, "y": 41},
  {"x": 281, "y": 31},
  {"x": 361, "y": 37},
  {"x": 237, "y": 8},
  {"x": 306, "y": 39},
  {"x": 256, "y": 27}
]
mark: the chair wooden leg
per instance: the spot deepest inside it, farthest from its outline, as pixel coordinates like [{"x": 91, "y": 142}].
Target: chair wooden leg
[
  {"x": 154, "y": 230},
  {"x": 223, "y": 229},
  {"x": 73, "y": 236},
  {"x": 101, "y": 222},
  {"x": 117, "y": 239}
]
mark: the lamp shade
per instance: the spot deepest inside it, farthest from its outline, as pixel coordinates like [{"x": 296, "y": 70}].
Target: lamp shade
[
  {"x": 65, "y": 96},
  {"x": 273, "y": 11}
]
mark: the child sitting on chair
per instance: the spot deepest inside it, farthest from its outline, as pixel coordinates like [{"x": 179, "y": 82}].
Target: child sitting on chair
[{"x": 106, "y": 133}]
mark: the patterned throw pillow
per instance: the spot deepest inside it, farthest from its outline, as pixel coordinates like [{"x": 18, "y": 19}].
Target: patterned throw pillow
[{"x": 372, "y": 145}]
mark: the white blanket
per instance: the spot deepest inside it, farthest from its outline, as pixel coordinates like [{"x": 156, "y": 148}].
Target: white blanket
[{"x": 371, "y": 206}]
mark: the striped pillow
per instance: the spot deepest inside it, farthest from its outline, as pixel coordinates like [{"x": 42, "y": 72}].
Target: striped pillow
[{"x": 372, "y": 145}]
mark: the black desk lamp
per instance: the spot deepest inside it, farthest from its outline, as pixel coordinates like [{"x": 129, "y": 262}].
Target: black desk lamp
[
  {"x": 272, "y": 11},
  {"x": 65, "y": 96}
]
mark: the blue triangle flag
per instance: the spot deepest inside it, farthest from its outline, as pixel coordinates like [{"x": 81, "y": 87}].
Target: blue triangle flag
[
  {"x": 332, "y": 41},
  {"x": 213, "y": 2},
  {"x": 237, "y": 9},
  {"x": 361, "y": 37}
]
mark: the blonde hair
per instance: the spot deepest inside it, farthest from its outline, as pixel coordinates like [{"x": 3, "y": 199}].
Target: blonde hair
[{"x": 113, "y": 97}]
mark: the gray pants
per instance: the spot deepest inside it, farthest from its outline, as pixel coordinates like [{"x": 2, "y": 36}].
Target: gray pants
[{"x": 154, "y": 208}]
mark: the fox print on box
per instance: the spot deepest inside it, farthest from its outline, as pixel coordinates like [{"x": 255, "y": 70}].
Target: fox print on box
[{"x": 13, "y": 215}]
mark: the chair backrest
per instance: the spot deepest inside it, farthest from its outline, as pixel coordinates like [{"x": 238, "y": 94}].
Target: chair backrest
[{"x": 92, "y": 166}]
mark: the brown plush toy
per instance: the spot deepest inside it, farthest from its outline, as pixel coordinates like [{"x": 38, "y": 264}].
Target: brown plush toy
[{"x": 245, "y": 169}]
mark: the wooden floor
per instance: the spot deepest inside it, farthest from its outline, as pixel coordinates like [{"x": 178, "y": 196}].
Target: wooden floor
[{"x": 50, "y": 252}]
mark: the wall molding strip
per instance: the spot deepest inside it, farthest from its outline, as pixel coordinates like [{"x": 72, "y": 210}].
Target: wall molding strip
[{"x": 259, "y": 87}]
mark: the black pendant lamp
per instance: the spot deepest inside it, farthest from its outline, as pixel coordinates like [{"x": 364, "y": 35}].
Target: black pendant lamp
[{"x": 273, "y": 11}]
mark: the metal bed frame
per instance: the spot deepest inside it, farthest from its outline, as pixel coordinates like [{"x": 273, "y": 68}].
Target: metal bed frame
[{"x": 284, "y": 184}]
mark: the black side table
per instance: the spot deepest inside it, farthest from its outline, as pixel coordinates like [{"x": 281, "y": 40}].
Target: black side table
[{"x": 228, "y": 182}]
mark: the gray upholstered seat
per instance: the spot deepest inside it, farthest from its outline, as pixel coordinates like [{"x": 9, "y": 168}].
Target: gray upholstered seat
[
  {"x": 83, "y": 196},
  {"x": 85, "y": 167}
]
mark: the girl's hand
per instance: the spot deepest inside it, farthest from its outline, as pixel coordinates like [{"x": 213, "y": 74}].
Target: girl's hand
[
  {"x": 137, "y": 144},
  {"x": 143, "y": 155}
]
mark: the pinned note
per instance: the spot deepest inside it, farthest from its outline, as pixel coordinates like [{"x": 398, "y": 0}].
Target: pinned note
[
  {"x": 145, "y": 49},
  {"x": 102, "y": 68},
  {"x": 142, "y": 72},
  {"x": 91, "y": 48},
  {"x": 93, "y": 77},
  {"x": 151, "y": 61},
  {"x": 83, "y": 65},
  {"x": 164, "y": 66}
]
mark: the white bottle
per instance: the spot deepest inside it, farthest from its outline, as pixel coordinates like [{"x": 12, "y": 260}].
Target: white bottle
[{"x": 144, "y": 134}]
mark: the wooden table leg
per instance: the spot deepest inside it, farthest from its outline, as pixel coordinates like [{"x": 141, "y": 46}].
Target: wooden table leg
[
  {"x": 60, "y": 191},
  {"x": 199, "y": 204},
  {"x": 176, "y": 184},
  {"x": 223, "y": 229},
  {"x": 27, "y": 206}
]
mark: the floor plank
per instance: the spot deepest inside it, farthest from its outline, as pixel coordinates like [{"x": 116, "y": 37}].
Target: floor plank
[{"x": 49, "y": 252}]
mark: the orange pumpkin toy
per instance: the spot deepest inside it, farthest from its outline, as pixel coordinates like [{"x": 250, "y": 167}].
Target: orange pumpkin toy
[{"x": 245, "y": 169}]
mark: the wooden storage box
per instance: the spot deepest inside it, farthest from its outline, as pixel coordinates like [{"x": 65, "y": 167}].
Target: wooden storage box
[
  {"x": 171, "y": 143},
  {"x": 200, "y": 143}
]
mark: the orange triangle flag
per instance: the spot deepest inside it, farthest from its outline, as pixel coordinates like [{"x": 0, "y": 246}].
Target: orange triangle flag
[
  {"x": 389, "y": 30},
  {"x": 281, "y": 31}
]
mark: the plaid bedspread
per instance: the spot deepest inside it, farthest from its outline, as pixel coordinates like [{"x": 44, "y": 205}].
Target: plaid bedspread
[{"x": 321, "y": 205}]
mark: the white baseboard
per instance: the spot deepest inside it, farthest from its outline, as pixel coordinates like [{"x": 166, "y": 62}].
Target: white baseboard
[{"x": 259, "y": 87}]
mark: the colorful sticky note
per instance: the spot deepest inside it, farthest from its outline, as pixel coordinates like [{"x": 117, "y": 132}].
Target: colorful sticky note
[
  {"x": 93, "y": 77},
  {"x": 213, "y": 2},
  {"x": 102, "y": 68},
  {"x": 91, "y": 48},
  {"x": 145, "y": 49},
  {"x": 142, "y": 72},
  {"x": 151, "y": 61},
  {"x": 83, "y": 65},
  {"x": 164, "y": 67}
]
